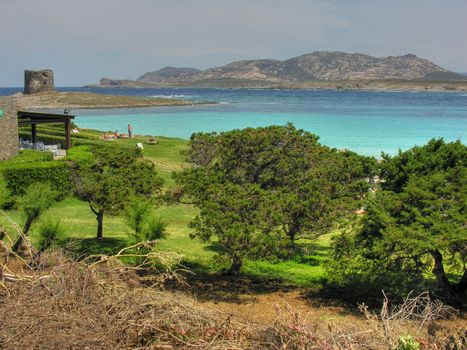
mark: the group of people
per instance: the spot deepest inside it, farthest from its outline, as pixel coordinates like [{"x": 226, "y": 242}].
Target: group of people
[{"x": 116, "y": 135}]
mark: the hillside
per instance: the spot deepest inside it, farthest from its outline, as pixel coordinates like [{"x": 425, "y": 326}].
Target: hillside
[
  {"x": 324, "y": 66},
  {"x": 167, "y": 74}
]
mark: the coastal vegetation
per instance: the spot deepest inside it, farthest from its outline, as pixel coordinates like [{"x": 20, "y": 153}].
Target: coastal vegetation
[
  {"x": 414, "y": 227},
  {"x": 270, "y": 205}
]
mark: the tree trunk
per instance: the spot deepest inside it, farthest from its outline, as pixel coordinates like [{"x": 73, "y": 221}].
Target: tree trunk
[
  {"x": 17, "y": 246},
  {"x": 461, "y": 287},
  {"x": 100, "y": 223},
  {"x": 457, "y": 290},
  {"x": 438, "y": 271},
  {"x": 292, "y": 233},
  {"x": 236, "y": 266}
]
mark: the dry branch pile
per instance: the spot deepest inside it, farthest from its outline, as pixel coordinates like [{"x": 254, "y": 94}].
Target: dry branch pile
[
  {"x": 100, "y": 303},
  {"x": 72, "y": 305}
]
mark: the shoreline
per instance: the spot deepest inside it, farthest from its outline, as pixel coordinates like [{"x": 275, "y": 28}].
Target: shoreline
[{"x": 344, "y": 85}]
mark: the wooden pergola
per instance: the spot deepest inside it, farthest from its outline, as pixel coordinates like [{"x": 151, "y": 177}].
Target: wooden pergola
[{"x": 34, "y": 118}]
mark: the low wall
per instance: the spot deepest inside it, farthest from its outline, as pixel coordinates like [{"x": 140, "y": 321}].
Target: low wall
[{"x": 9, "y": 141}]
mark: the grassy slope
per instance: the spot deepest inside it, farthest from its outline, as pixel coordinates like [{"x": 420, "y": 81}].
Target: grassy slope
[{"x": 80, "y": 226}]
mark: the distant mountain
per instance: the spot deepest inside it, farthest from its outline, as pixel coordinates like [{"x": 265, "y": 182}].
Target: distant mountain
[
  {"x": 317, "y": 66},
  {"x": 167, "y": 74},
  {"x": 321, "y": 69},
  {"x": 323, "y": 66}
]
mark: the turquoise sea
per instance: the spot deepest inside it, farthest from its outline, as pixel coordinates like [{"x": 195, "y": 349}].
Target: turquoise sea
[{"x": 365, "y": 122}]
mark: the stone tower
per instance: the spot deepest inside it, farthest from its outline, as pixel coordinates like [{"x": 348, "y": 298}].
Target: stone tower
[{"x": 38, "y": 81}]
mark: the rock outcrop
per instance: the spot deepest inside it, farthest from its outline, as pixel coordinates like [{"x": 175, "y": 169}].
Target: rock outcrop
[{"x": 38, "y": 81}]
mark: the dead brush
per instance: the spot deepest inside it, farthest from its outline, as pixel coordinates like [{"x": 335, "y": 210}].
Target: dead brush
[
  {"x": 101, "y": 302},
  {"x": 153, "y": 266},
  {"x": 73, "y": 304},
  {"x": 416, "y": 316},
  {"x": 294, "y": 331}
]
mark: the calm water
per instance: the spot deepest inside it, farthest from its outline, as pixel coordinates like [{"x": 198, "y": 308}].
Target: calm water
[{"x": 366, "y": 122}]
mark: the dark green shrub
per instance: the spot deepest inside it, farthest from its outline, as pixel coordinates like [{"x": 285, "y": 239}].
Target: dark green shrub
[
  {"x": 20, "y": 175},
  {"x": 4, "y": 193}
]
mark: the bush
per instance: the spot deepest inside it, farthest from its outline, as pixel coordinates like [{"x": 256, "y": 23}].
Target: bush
[
  {"x": 137, "y": 213},
  {"x": 19, "y": 176},
  {"x": 26, "y": 156},
  {"x": 49, "y": 230},
  {"x": 4, "y": 193},
  {"x": 155, "y": 229},
  {"x": 407, "y": 343},
  {"x": 79, "y": 154}
]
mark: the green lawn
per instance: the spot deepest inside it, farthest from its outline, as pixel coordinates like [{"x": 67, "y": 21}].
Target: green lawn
[
  {"x": 167, "y": 154},
  {"x": 80, "y": 231}
]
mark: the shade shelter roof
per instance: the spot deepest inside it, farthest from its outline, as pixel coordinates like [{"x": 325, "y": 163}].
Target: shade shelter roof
[{"x": 33, "y": 118}]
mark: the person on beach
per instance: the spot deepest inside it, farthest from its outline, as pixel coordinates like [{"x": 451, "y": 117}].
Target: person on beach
[{"x": 130, "y": 131}]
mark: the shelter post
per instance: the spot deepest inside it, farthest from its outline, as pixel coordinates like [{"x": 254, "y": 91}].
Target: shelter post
[
  {"x": 67, "y": 134},
  {"x": 33, "y": 133}
]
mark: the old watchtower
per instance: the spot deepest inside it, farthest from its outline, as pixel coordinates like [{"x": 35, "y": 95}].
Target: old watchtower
[{"x": 38, "y": 81}]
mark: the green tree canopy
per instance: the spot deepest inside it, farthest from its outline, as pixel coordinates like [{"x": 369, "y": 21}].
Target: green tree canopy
[
  {"x": 259, "y": 185},
  {"x": 36, "y": 200},
  {"x": 114, "y": 175},
  {"x": 417, "y": 225}
]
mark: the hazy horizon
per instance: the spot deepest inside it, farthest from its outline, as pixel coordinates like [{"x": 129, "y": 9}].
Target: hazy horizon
[{"x": 86, "y": 40}]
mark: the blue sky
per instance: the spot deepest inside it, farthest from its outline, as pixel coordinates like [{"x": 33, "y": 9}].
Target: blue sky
[{"x": 85, "y": 40}]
